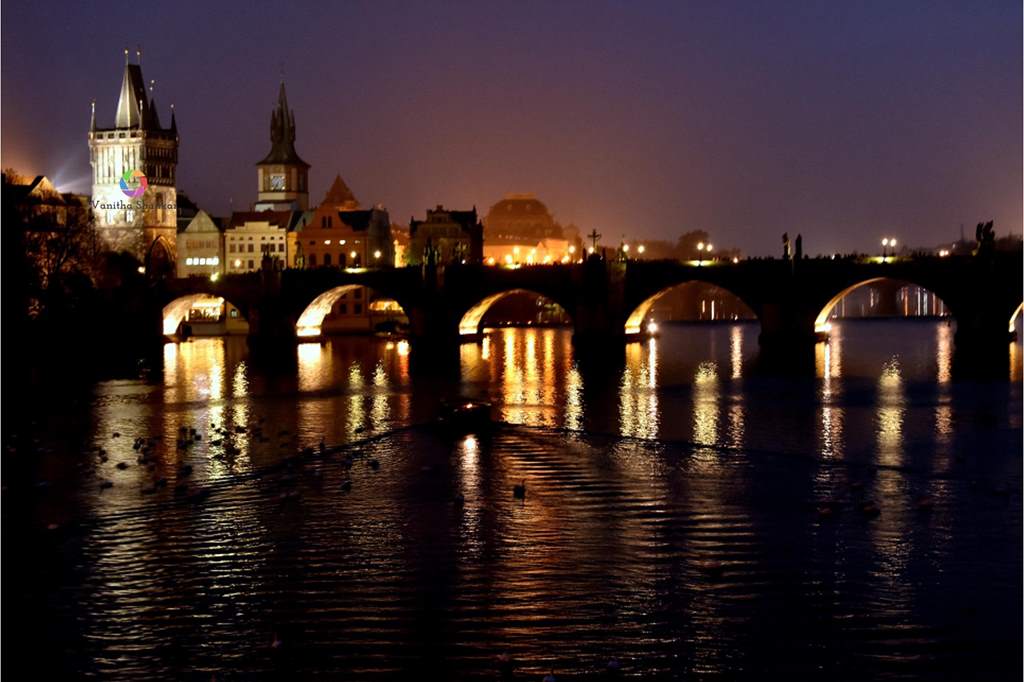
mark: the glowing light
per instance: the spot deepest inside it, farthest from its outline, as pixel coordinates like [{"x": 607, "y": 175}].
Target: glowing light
[
  {"x": 141, "y": 270},
  {"x": 175, "y": 311},
  {"x": 572, "y": 249},
  {"x": 700, "y": 246},
  {"x": 490, "y": 261},
  {"x": 327, "y": 242},
  {"x": 943, "y": 253},
  {"x": 403, "y": 347},
  {"x": 565, "y": 259},
  {"x": 641, "y": 248},
  {"x": 515, "y": 250},
  {"x": 508, "y": 259},
  {"x": 590, "y": 249},
  {"x": 708, "y": 248},
  {"x": 214, "y": 276},
  {"x": 351, "y": 254},
  {"x": 735, "y": 260},
  {"x": 376, "y": 254},
  {"x": 342, "y": 242},
  {"x": 625, "y": 248},
  {"x": 652, "y": 327},
  {"x": 885, "y": 241},
  {"x": 238, "y": 263}
]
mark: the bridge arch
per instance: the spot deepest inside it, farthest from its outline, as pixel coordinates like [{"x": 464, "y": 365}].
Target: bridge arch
[
  {"x": 634, "y": 323},
  {"x": 1016, "y": 314},
  {"x": 311, "y": 320},
  {"x": 176, "y": 312},
  {"x": 469, "y": 323},
  {"x": 821, "y": 322}
]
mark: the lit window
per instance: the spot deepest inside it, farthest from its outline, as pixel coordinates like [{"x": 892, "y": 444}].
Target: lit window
[{"x": 215, "y": 261}]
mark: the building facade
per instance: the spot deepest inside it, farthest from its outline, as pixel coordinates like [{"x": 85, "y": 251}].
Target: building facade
[
  {"x": 250, "y": 235},
  {"x": 341, "y": 235},
  {"x": 282, "y": 176},
  {"x": 446, "y": 237},
  {"x": 201, "y": 247},
  {"x": 134, "y": 165}
]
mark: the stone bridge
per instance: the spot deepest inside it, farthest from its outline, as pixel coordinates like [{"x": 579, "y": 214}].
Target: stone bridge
[{"x": 608, "y": 300}]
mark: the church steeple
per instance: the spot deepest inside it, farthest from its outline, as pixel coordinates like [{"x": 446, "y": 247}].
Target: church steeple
[
  {"x": 282, "y": 134},
  {"x": 282, "y": 174}
]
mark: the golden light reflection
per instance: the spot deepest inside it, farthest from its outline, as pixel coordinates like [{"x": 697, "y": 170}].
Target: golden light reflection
[
  {"x": 1015, "y": 362},
  {"x": 638, "y": 395},
  {"x": 891, "y": 407},
  {"x": 356, "y": 414},
  {"x": 528, "y": 377},
  {"x": 944, "y": 353},
  {"x": 315, "y": 363},
  {"x": 379, "y": 403},
  {"x": 736, "y": 350},
  {"x": 706, "y": 394},
  {"x": 574, "y": 399}
]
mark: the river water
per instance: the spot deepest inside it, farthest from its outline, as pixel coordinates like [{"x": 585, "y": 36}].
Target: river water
[{"x": 685, "y": 514}]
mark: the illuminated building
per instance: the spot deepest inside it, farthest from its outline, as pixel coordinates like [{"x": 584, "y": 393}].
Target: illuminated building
[
  {"x": 524, "y": 252},
  {"x": 201, "y": 247},
  {"x": 139, "y": 151},
  {"x": 338, "y": 234},
  {"x": 250, "y": 235},
  {"x": 445, "y": 237},
  {"x": 282, "y": 177}
]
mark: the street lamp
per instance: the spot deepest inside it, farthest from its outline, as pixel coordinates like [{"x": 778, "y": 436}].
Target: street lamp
[
  {"x": 376, "y": 255},
  {"x": 640, "y": 249}
]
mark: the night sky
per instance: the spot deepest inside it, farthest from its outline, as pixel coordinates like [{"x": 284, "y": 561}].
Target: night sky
[{"x": 843, "y": 121}]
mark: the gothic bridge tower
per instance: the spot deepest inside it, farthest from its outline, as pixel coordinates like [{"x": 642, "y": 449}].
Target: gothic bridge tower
[{"x": 133, "y": 176}]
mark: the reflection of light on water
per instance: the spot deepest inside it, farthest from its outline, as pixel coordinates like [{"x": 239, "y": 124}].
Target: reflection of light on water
[
  {"x": 944, "y": 354},
  {"x": 652, "y": 363},
  {"x": 356, "y": 412},
  {"x": 705, "y": 404},
  {"x": 827, "y": 363},
  {"x": 736, "y": 350},
  {"x": 240, "y": 381},
  {"x": 890, "y": 413},
  {"x": 737, "y": 415},
  {"x": 828, "y": 357},
  {"x": 485, "y": 348},
  {"x": 1015, "y": 362},
  {"x": 314, "y": 365},
  {"x": 638, "y": 396},
  {"x": 528, "y": 377},
  {"x": 379, "y": 404},
  {"x": 574, "y": 399}
]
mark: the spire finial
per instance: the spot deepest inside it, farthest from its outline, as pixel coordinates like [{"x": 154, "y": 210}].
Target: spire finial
[{"x": 92, "y": 114}]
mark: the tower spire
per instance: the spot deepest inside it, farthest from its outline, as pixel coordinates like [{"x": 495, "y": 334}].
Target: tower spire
[{"x": 92, "y": 116}]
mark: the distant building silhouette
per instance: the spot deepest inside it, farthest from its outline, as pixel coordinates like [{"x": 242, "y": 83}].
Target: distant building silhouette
[{"x": 445, "y": 237}]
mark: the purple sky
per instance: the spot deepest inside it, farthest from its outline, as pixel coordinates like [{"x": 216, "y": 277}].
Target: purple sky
[{"x": 842, "y": 121}]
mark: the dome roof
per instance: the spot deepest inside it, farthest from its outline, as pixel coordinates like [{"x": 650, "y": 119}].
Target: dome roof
[{"x": 519, "y": 205}]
